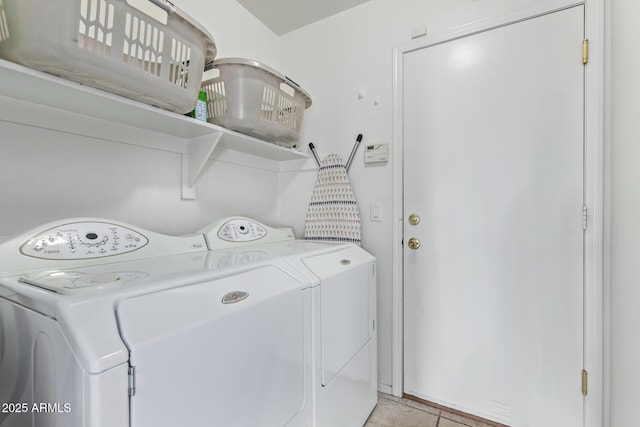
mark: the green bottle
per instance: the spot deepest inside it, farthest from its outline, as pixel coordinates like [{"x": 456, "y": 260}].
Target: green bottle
[{"x": 200, "y": 112}]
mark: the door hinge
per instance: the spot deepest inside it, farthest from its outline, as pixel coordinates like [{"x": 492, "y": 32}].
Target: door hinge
[
  {"x": 585, "y": 51},
  {"x": 584, "y": 382},
  {"x": 132, "y": 381},
  {"x": 584, "y": 217}
]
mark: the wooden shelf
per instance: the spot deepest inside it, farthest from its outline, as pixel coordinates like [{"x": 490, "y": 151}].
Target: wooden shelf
[{"x": 197, "y": 141}]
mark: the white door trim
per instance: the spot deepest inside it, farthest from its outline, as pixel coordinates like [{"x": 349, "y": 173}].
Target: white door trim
[{"x": 595, "y": 197}]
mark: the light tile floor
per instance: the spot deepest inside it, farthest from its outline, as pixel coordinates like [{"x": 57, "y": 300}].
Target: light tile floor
[{"x": 395, "y": 412}]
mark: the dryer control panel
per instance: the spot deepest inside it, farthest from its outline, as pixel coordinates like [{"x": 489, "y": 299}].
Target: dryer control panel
[
  {"x": 235, "y": 231},
  {"x": 241, "y": 230},
  {"x": 81, "y": 240}
]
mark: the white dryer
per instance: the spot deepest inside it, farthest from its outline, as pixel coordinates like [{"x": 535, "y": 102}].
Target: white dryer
[
  {"x": 106, "y": 325},
  {"x": 339, "y": 296}
]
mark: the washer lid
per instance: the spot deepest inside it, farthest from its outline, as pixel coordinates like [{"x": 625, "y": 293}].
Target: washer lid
[{"x": 70, "y": 282}]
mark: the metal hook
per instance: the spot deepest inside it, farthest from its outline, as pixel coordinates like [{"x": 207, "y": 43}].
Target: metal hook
[
  {"x": 313, "y": 151},
  {"x": 353, "y": 152},
  {"x": 351, "y": 156}
]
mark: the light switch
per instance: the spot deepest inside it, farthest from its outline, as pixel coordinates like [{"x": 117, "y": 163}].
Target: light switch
[{"x": 375, "y": 212}]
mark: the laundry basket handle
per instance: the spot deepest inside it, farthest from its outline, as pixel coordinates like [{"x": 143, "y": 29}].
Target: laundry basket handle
[
  {"x": 296, "y": 86},
  {"x": 165, "y": 5},
  {"x": 292, "y": 83}
]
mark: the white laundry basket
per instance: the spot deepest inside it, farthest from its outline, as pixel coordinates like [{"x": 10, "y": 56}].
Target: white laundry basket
[
  {"x": 252, "y": 98},
  {"x": 156, "y": 55}
]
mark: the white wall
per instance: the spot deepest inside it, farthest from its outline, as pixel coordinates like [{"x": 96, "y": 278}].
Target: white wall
[
  {"x": 336, "y": 59},
  {"x": 47, "y": 175},
  {"x": 625, "y": 204},
  {"x": 236, "y": 31},
  {"x": 53, "y": 175}
]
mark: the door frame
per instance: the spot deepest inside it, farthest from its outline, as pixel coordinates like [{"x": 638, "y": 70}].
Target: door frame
[{"x": 596, "y": 195}]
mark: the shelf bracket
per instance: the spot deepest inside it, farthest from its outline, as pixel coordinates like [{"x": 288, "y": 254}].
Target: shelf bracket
[{"x": 199, "y": 150}]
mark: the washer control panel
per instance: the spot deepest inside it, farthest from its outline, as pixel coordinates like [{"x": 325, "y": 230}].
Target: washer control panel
[{"x": 82, "y": 240}]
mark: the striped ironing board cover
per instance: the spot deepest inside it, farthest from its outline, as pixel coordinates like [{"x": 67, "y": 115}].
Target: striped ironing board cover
[{"x": 333, "y": 213}]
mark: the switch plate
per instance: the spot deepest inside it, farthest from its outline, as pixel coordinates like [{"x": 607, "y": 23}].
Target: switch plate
[{"x": 375, "y": 212}]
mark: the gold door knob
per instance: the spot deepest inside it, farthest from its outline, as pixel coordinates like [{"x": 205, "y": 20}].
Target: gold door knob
[
  {"x": 414, "y": 219},
  {"x": 413, "y": 243}
]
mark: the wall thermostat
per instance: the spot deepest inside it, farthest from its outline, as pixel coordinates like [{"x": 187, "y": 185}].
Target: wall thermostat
[{"x": 375, "y": 153}]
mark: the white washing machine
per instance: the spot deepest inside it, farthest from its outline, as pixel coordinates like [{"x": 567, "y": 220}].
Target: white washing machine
[
  {"x": 106, "y": 325},
  {"x": 339, "y": 309}
]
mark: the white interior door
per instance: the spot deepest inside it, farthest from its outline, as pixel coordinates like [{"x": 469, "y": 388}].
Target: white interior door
[{"x": 493, "y": 166}]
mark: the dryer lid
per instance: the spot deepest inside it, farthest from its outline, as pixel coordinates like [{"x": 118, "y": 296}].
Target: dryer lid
[{"x": 221, "y": 347}]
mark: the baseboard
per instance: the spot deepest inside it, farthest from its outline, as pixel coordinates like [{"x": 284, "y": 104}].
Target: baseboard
[{"x": 383, "y": 388}]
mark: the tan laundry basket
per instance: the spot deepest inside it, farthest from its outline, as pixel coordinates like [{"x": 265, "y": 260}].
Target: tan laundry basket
[
  {"x": 252, "y": 98},
  {"x": 157, "y": 58}
]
